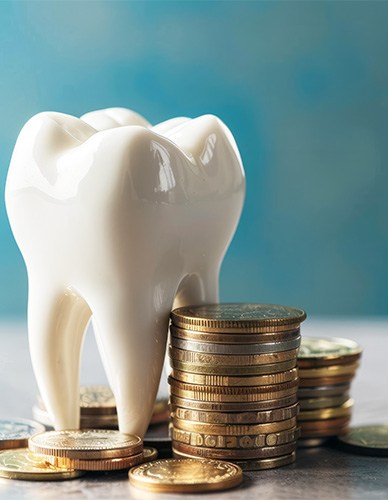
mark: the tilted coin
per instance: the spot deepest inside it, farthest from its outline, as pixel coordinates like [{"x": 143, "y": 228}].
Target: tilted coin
[
  {"x": 20, "y": 463},
  {"x": 329, "y": 371},
  {"x": 234, "y": 430},
  {"x": 186, "y": 450},
  {"x": 237, "y": 317},
  {"x": 234, "y": 360},
  {"x": 323, "y": 391},
  {"x": 181, "y": 476},
  {"x": 101, "y": 464},
  {"x": 247, "y": 417},
  {"x": 265, "y": 405},
  {"x": 238, "y": 338},
  {"x": 15, "y": 432},
  {"x": 315, "y": 382},
  {"x": 267, "y": 463},
  {"x": 235, "y": 349},
  {"x": 344, "y": 410},
  {"x": 229, "y": 370},
  {"x": 318, "y": 351},
  {"x": 367, "y": 439},
  {"x": 230, "y": 381},
  {"x": 321, "y": 403},
  {"x": 86, "y": 444},
  {"x": 231, "y": 441}
]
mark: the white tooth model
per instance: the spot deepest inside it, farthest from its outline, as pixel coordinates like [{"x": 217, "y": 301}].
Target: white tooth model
[{"x": 120, "y": 221}]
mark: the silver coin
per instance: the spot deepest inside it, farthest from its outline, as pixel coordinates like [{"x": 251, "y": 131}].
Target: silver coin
[
  {"x": 210, "y": 348},
  {"x": 15, "y": 432},
  {"x": 323, "y": 391}
]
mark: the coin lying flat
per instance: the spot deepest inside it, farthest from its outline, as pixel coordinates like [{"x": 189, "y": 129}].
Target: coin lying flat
[
  {"x": 185, "y": 475},
  {"x": 206, "y": 369},
  {"x": 102, "y": 464},
  {"x": 267, "y": 463},
  {"x": 327, "y": 413},
  {"x": 329, "y": 371},
  {"x": 236, "y": 317},
  {"x": 15, "y": 432},
  {"x": 316, "y": 351},
  {"x": 150, "y": 454},
  {"x": 320, "y": 403},
  {"x": 22, "y": 464},
  {"x": 235, "y": 349},
  {"x": 368, "y": 440},
  {"x": 86, "y": 444}
]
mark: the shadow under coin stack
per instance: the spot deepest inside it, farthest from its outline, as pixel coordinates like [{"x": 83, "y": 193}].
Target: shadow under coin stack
[
  {"x": 234, "y": 381},
  {"x": 326, "y": 369}
]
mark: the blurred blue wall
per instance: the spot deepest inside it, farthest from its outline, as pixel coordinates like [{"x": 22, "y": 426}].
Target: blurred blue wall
[{"x": 302, "y": 85}]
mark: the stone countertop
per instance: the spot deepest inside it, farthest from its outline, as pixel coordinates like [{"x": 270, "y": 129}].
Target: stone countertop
[{"x": 324, "y": 472}]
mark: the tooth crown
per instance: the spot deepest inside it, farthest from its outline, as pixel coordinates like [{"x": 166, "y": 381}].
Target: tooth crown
[{"x": 119, "y": 223}]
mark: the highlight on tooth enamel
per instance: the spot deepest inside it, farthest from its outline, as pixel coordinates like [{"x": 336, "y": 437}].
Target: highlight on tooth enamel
[{"x": 118, "y": 222}]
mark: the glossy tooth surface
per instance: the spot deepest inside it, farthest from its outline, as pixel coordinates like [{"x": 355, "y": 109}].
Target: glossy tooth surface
[{"x": 118, "y": 224}]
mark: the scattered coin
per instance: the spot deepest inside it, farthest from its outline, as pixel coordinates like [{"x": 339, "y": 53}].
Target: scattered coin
[
  {"x": 185, "y": 475},
  {"x": 21, "y": 463},
  {"x": 369, "y": 440},
  {"x": 15, "y": 432}
]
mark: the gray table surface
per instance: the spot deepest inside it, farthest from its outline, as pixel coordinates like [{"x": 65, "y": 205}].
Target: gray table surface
[{"x": 322, "y": 472}]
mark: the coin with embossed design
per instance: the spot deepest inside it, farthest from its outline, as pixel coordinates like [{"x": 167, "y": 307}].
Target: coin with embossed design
[
  {"x": 317, "y": 351},
  {"x": 15, "y": 432},
  {"x": 367, "y": 439},
  {"x": 20, "y": 463},
  {"x": 185, "y": 475},
  {"x": 86, "y": 444}
]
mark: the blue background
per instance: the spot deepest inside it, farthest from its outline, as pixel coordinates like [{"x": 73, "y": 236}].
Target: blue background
[{"x": 303, "y": 87}]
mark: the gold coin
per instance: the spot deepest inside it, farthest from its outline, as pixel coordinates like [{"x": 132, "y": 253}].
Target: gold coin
[
  {"x": 102, "y": 464},
  {"x": 15, "y": 432},
  {"x": 248, "y": 417},
  {"x": 323, "y": 425},
  {"x": 329, "y": 371},
  {"x": 217, "y": 389},
  {"x": 192, "y": 404},
  {"x": 318, "y": 351},
  {"x": 323, "y": 391},
  {"x": 161, "y": 412},
  {"x": 86, "y": 444},
  {"x": 367, "y": 439},
  {"x": 236, "y": 317},
  {"x": 227, "y": 359},
  {"x": 324, "y": 433},
  {"x": 320, "y": 403},
  {"x": 344, "y": 410},
  {"x": 230, "y": 441},
  {"x": 312, "y": 442},
  {"x": 234, "y": 430},
  {"x": 185, "y": 476},
  {"x": 150, "y": 454},
  {"x": 226, "y": 380},
  {"x": 230, "y": 398},
  {"x": 86, "y": 421},
  {"x": 232, "y": 454},
  {"x": 267, "y": 463},
  {"x": 20, "y": 463},
  {"x": 233, "y": 370},
  {"x": 229, "y": 338},
  {"x": 321, "y": 381}
]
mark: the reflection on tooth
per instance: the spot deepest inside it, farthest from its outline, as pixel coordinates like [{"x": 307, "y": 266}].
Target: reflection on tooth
[{"x": 122, "y": 221}]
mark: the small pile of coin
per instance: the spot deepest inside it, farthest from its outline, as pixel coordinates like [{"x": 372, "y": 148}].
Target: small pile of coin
[
  {"x": 98, "y": 409},
  {"x": 326, "y": 369},
  {"x": 234, "y": 381},
  {"x": 88, "y": 450}
]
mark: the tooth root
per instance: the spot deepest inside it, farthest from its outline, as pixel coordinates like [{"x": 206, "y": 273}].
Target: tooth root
[
  {"x": 57, "y": 321},
  {"x": 132, "y": 329}
]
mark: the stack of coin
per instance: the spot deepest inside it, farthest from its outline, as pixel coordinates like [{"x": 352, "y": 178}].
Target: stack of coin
[
  {"x": 98, "y": 409},
  {"x": 234, "y": 381},
  {"x": 88, "y": 450},
  {"x": 326, "y": 369}
]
